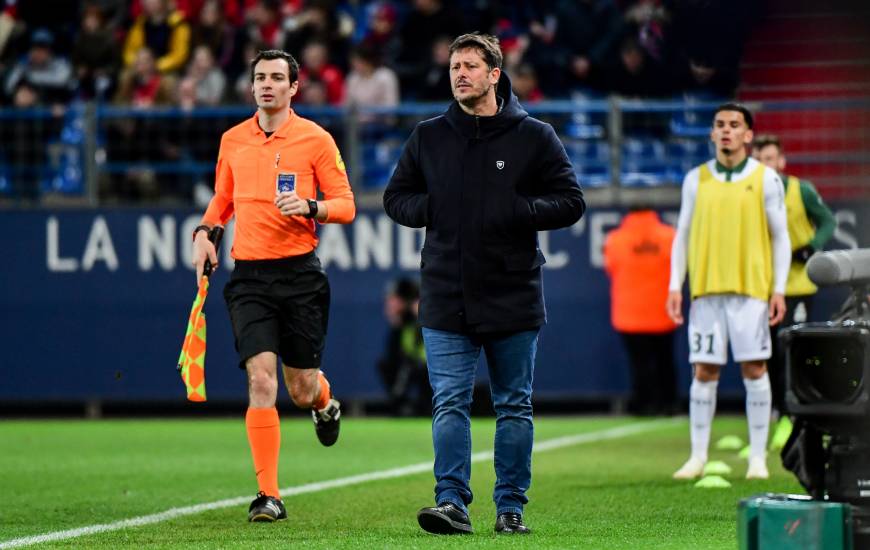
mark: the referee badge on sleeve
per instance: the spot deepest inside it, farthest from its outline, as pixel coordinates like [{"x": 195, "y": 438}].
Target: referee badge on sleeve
[{"x": 285, "y": 183}]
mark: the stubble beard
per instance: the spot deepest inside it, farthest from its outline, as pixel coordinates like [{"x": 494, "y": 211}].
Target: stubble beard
[{"x": 472, "y": 100}]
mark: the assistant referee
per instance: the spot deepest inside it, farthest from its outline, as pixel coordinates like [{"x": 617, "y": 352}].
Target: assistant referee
[{"x": 269, "y": 171}]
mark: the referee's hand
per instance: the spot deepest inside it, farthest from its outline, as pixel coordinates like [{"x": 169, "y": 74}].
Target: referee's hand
[
  {"x": 202, "y": 249},
  {"x": 674, "y": 306},
  {"x": 290, "y": 204}
]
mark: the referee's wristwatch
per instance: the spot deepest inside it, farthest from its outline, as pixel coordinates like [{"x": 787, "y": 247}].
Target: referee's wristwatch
[{"x": 312, "y": 209}]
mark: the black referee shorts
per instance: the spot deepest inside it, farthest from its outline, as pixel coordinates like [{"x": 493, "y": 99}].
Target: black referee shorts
[{"x": 280, "y": 306}]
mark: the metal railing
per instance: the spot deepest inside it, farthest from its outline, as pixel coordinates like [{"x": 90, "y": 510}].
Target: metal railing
[{"x": 102, "y": 154}]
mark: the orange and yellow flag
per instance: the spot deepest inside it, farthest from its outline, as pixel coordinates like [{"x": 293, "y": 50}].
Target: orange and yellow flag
[{"x": 191, "y": 362}]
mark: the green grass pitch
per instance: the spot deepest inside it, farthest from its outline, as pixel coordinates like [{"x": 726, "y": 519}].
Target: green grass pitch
[{"x": 617, "y": 493}]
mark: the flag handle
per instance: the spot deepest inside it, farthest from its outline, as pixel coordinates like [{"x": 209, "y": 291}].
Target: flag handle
[{"x": 214, "y": 235}]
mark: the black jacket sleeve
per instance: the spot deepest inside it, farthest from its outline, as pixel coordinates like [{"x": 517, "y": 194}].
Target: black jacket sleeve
[
  {"x": 556, "y": 199},
  {"x": 406, "y": 198}
]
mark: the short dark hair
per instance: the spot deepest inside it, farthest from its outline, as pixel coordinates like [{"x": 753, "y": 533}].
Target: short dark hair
[
  {"x": 485, "y": 44},
  {"x": 738, "y": 107},
  {"x": 763, "y": 140},
  {"x": 367, "y": 54},
  {"x": 277, "y": 54}
]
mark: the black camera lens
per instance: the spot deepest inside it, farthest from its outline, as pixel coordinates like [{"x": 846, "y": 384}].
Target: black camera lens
[{"x": 827, "y": 370}]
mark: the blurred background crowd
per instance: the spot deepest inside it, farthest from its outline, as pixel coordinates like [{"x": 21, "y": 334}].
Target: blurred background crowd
[
  {"x": 191, "y": 53},
  {"x": 122, "y": 101}
]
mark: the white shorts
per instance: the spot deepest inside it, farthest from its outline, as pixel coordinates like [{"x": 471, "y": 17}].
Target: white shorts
[{"x": 716, "y": 320}]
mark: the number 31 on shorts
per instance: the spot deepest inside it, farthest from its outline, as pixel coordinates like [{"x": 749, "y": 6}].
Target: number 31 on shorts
[{"x": 702, "y": 341}]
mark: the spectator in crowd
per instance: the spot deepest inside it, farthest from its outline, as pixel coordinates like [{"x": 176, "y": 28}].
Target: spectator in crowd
[
  {"x": 525, "y": 83},
  {"x": 24, "y": 139},
  {"x": 314, "y": 93},
  {"x": 648, "y": 21},
  {"x": 242, "y": 87},
  {"x": 48, "y": 74},
  {"x": 190, "y": 139},
  {"x": 709, "y": 65},
  {"x": 7, "y": 29},
  {"x": 589, "y": 31},
  {"x": 571, "y": 40},
  {"x": 142, "y": 85},
  {"x": 370, "y": 84},
  {"x": 542, "y": 51},
  {"x": 631, "y": 72},
  {"x": 704, "y": 75},
  {"x": 164, "y": 31},
  {"x": 141, "y": 139},
  {"x": 263, "y": 23},
  {"x": 205, "y": 79},
  {"x": 230, "y": 10},
  {"x": 315, "y": 62},
  {"x": 382, "y": 36},
  {"x": 403, "y": 365},
  {"x": 436, "y": 81},
  {"x": 95, "y": 55},
  {"x": 211, "y": 29},
  {"x": 319, "y": 21},
  {"x": 60, "y": 18},
  {"x": 428, "y": 21},
  {"x": 637, "y": 259},
  {"x": 514, "y": 43}
]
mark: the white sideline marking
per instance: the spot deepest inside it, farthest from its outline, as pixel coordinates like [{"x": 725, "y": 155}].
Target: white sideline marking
[{"x": 172, "y": 513}]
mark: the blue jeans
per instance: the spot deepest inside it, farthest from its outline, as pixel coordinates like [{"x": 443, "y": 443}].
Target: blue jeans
[{"x": 452, "y": 360}]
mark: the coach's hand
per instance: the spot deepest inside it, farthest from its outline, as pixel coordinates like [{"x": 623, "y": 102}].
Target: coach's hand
[
  {"x": 290, "y": 204},
  {"x": 202, "y": 249},
  {"x": 777, "y": 309},
  {"x": 674, "y": 306}
]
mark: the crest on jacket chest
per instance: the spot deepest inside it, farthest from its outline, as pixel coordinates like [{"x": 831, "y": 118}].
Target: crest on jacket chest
[{"x": 499, "y": 164}]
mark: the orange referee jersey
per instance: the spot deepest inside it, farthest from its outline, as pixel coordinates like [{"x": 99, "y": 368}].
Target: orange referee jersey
[
  {"x": 637, "y": 257},
  {"x": 248, "y": 168}
]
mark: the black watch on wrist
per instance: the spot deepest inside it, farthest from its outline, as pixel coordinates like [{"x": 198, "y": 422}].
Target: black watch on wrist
[{"x": 312, "y": 209}]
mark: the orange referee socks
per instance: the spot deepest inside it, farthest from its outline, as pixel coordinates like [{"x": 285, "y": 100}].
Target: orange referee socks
[
  {"x": 264, "y": 435},
  {"x": 323, "y": 400}
]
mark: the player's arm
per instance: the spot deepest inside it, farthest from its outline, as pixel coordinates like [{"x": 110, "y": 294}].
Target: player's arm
[
  {"x": 219, "y": 211},
  {"x": 406, "y": 198},
  {"x": 777, "y": 223},
  {"x": 819, "y": 214},
  {"x": 680, "y": 247}
]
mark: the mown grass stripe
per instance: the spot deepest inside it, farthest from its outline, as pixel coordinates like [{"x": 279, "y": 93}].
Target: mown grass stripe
[{"x": 172, "y": 513}]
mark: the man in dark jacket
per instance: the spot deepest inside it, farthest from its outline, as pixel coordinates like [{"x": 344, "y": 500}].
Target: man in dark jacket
[{"x": 482, "y": 179}]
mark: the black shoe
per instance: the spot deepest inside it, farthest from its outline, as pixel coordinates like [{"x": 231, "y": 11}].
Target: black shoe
[
  {"x": 266, "y": 508},
  {"x": 444, "y": 519},
  {"x": 327, "y": 422},
  {"x": 510, "y": 522}
]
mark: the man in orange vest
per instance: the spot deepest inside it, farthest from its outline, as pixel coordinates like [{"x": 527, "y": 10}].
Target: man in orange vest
[{"x": 637, "y": 258}]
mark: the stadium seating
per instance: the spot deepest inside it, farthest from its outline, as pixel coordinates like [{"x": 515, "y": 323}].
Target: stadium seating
[{"x": 809, "y": 52}]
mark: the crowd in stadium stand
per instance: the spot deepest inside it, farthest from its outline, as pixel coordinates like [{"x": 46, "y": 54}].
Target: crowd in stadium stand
[{"x": 193, "y": 53}]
